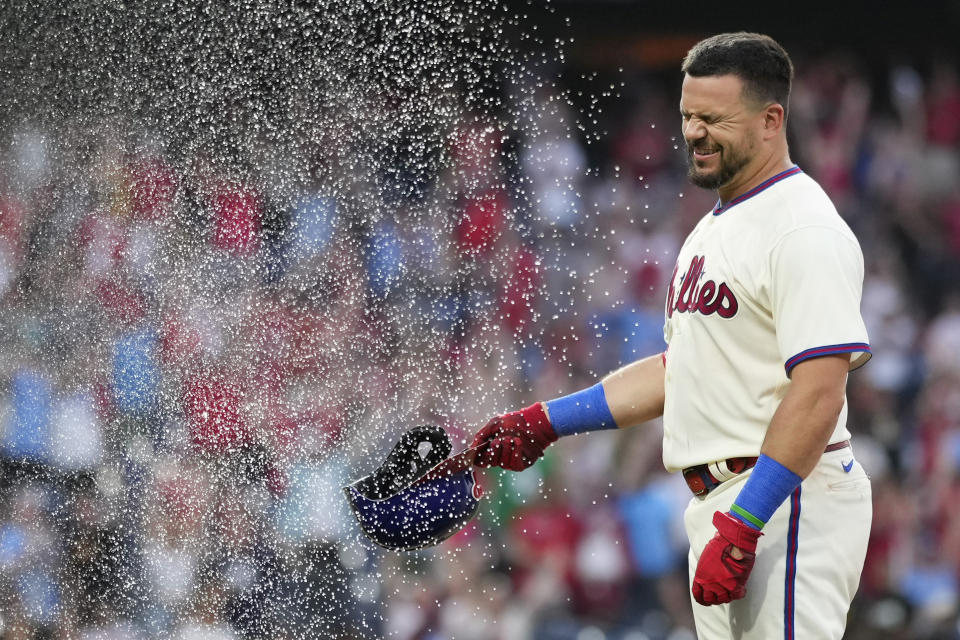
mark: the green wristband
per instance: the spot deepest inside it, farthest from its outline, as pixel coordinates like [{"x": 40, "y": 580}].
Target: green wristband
[{"x": 743, "y": 513}]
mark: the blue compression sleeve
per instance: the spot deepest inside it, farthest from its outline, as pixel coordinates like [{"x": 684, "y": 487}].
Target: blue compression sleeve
[
  {"x": 582, "y": 411},
  {"x": 769, "y": 484}
]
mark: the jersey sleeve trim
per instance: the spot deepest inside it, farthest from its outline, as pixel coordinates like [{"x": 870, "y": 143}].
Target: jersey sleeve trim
[{"x": 828, "y": 350}]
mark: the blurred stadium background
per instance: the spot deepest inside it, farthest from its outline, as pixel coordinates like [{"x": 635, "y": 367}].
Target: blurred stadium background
[{"x": 240, "y": 255}]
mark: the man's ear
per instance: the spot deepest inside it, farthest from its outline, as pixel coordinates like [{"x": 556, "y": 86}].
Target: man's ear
[{"x": 774, "y": 119}]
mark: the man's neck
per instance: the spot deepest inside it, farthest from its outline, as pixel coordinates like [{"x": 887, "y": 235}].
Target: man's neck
[{"x": 750, "y": 177}]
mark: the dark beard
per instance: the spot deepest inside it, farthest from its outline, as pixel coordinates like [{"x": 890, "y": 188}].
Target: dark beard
[{"x": 729, "y": 167}]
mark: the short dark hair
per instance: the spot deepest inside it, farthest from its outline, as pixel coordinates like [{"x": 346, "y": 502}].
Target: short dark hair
[{"x": 762, "y": 64}]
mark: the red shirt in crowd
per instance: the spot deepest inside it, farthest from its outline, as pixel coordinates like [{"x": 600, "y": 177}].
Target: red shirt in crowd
[{"x": 237, "y": 213}]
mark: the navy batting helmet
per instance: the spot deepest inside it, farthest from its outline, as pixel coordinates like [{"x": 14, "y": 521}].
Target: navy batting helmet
[{"x": 418, "y": 497}]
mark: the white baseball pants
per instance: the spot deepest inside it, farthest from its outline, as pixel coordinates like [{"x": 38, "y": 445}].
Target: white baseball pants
[{"x": 808, "y": 561}]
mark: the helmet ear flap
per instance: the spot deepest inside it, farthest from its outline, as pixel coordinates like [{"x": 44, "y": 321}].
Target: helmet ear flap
[{"x": 418, "y": 450}]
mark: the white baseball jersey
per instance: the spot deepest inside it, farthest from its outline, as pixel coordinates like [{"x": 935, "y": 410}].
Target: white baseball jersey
[{"x": 769, "y": 279}]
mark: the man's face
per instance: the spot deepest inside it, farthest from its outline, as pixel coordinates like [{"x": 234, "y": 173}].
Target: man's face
[{"x": 718, "y": 127}]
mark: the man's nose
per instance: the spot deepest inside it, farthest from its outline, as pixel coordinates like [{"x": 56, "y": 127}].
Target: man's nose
[{"x": 694, "y": 130}]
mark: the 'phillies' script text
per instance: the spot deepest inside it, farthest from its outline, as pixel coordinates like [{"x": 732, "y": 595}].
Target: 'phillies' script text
[{"x": 706, "y": 298}]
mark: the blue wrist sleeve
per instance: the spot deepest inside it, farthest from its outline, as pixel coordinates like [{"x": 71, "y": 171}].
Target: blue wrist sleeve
[
  {"x": 582, "y": 411},
  {"x": 769, "y": 484}
]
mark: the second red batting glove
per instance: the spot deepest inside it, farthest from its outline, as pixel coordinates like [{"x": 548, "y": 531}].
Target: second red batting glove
[
  {"x": 514, "y": 440},
  {"x": 719, "y": 577}
]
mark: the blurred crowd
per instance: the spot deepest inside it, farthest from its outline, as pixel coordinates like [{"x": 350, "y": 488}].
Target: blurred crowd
[{"x": 195, "y": 357}]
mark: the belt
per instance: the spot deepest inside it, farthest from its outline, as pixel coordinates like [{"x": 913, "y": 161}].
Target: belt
[{"x": 704, "y": 478}]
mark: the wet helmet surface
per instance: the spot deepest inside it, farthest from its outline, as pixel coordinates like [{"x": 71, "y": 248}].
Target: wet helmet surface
[{"x": 407, "y": 503}]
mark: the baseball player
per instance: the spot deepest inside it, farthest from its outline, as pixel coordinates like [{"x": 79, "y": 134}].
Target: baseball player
[{"x": 762, "y": 325}]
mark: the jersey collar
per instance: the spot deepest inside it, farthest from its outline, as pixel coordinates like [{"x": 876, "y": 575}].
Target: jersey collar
[{"x": 766, "y": 184}]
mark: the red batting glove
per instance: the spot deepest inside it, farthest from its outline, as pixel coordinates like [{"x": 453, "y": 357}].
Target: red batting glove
[
  {"x": 515, "y": 440},
  {"x": 719, "y": 577}
]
